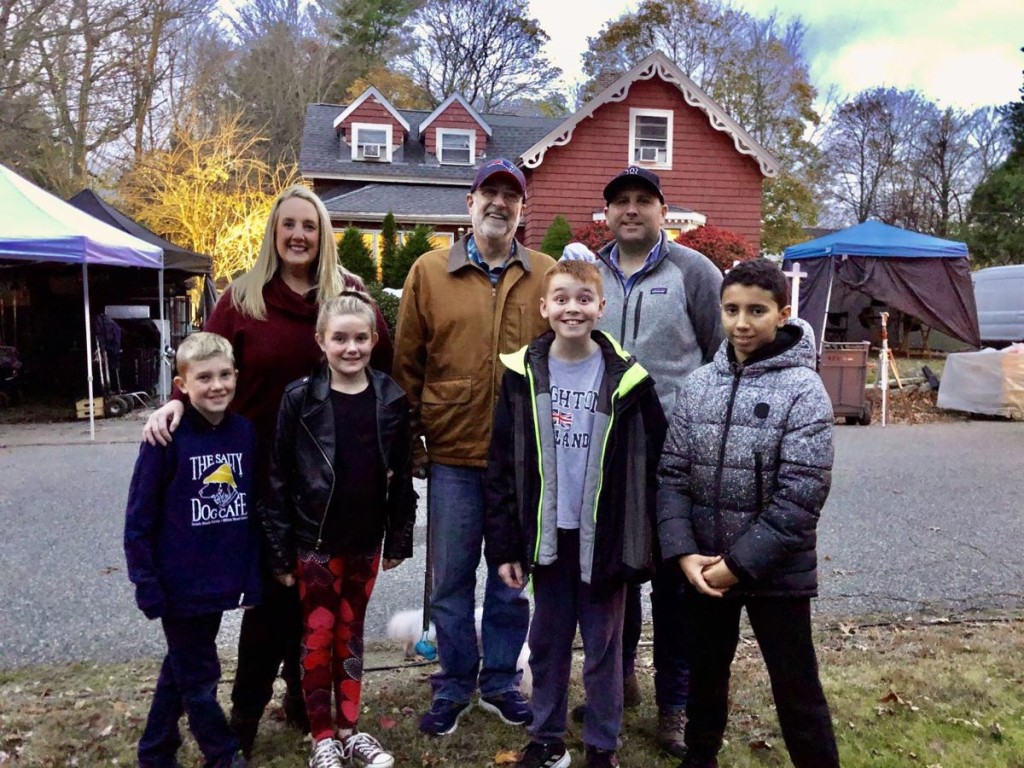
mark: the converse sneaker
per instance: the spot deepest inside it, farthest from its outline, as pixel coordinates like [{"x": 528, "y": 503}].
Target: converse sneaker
[
  {"x": 552, "y": 755},
  {"x": 364, "y": 750},
  {"x": 443, "y": 717},
  {"x": 325, "y": 755}
]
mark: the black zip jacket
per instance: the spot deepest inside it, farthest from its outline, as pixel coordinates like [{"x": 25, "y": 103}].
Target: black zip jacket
[
  {"x": 616, "y": 534},
  {"x": 302, "y": 472}
]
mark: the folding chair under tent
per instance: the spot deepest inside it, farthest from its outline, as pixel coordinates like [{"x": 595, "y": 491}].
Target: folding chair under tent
[
  {"x": 923, "y": 276},
  {"x": 40, "y": 227}
]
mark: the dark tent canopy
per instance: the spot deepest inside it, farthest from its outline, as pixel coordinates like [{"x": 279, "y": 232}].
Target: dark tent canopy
[
  {"x": 923, "y": 276},
  {"x": 175, "y": 257}
]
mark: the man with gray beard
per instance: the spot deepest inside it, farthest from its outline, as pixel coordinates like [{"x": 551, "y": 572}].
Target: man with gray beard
[{"x": 461, "y": 307}]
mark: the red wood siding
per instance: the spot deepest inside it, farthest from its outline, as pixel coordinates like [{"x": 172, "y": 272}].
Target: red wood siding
[
  {"x": 455, "y": 116},
  {"x": 708, "y": 175},
  {"x": 371, "y": 111}
]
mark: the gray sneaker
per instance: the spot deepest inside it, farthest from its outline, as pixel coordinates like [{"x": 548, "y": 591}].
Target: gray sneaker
[
  {"x": 363, "y": 749},
  {"x": 325, "y": 755}
]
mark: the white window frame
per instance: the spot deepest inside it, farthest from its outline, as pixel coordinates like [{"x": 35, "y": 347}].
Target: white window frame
[
  {"x": 357, "y": 155},
  {"x": 442, "y": 132},
  {"x": 633, "y": 155}
]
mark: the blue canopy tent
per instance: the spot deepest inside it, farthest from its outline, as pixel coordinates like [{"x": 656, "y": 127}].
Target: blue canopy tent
[
  {"x": 923, "y": 276},
  {"x": 36, "y": 226}
]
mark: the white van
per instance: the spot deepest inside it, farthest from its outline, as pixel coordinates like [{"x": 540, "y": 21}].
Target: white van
[{"x": 999, "y": 294}]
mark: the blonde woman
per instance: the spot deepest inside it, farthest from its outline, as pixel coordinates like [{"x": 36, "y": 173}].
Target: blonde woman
[{"x": 269, "y": 316}]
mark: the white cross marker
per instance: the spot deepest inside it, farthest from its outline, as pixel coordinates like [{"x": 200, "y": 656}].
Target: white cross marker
[{"x": 795, "y": 274}]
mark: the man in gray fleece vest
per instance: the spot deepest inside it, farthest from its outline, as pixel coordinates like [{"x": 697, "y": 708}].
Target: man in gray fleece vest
[{"x": 663, "y": 306}]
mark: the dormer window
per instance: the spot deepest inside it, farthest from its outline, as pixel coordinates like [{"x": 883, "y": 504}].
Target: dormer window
[
  {"x": 371, "y": 143},
  {"x": 650, "y": 137},
  {"x": 456, "y": 146}
]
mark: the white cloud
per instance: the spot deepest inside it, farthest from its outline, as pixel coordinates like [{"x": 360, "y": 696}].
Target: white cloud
[{"x": 962, "y": 53}]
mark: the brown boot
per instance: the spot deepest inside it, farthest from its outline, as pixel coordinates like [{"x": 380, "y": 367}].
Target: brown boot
[
  {"x": 671, "y": 728},
  {"x": 631, "y": 696}
]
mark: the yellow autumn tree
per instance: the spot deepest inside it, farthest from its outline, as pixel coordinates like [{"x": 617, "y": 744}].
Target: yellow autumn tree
[{"x": 209, "y": 190}]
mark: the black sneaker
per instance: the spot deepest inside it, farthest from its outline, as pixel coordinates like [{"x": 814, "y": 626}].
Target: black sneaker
[
  {"x": 244, "y": 729},
  {"x": 601, "y": 758},
  {"x": 510, "y": 706},
  {"x": 443, "y": 717},
  {"x": 537, "y": 755}
]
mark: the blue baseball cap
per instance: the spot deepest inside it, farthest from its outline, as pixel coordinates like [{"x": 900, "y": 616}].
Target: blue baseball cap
[
  {"x": 500, "y": 165},
  {"x": 634, "y": 176}
]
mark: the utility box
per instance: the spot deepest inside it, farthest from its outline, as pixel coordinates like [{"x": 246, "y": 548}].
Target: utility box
[{"x": 844, "y": 372}]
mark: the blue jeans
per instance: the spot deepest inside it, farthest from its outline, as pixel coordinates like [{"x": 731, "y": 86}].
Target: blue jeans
[
  {"x": 188, "y": 685},
  {"x": 456, "y": 509}
]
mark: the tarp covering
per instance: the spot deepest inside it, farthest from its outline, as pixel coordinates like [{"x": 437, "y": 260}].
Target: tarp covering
[
  {"x": 38, "y": 226},
  {"x": 175, "y": 257},
  {"x": 923, "y": 276},
  {"x": 990, "y": 381}
]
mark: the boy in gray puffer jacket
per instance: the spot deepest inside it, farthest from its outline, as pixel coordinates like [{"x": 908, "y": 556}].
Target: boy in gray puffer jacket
[{"x": 744, "y": 473}]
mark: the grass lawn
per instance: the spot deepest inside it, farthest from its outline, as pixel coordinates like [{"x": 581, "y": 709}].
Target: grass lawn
[{"x": 941, "y": 695}]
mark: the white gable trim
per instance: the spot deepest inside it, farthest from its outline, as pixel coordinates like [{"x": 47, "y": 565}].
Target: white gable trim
[
  {"x": 656, "y": 65},
  {"x": 445, "y": 104},
  {"x": 371, "y": 91}
]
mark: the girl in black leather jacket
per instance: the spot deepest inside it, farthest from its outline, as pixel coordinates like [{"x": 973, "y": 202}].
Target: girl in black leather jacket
[{"x": 340, "y": 482}]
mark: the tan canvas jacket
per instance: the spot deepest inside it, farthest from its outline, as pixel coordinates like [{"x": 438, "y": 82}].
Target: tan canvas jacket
[{"x": 452, "y": 325}]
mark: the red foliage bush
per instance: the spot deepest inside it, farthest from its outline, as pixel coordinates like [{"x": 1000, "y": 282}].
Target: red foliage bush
[
  {"x": 595, "y": 235},
  {"x": 720, "y": 245}
]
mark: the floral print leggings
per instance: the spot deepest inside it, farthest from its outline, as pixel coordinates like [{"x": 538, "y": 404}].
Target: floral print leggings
[{"x": 334, "y": 592}]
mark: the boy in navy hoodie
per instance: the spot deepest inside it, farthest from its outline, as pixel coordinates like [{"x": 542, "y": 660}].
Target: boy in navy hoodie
[{"x": 192, "y": 551}]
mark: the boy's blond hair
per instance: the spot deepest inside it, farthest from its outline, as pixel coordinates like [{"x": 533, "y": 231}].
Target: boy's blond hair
[
  {"x": 200, "y": 346},
  {"x": 583, "y": 271}
]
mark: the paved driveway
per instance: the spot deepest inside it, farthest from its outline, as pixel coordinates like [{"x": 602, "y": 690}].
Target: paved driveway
[{"x": 923, "y": 518}]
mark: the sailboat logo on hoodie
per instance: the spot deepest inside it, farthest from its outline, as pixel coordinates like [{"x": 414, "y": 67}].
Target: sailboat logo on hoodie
[{"x": 219, "y": 500}]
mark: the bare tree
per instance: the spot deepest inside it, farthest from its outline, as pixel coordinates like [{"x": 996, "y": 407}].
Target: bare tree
[
  {"x": 285, "y": 60},
  {"x": 86, "y": 79},
  {"x": 487, "y": 50},
  {"x": 867, "y": 141},
  {"x": 151, "y": 60},
  {"x": 25, "y": 127}
]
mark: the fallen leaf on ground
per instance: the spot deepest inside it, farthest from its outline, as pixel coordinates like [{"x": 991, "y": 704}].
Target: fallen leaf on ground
[{"x": 507, "y": 757}]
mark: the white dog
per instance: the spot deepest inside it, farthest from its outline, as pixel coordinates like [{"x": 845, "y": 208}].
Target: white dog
[{"x": 407, "y": 628}]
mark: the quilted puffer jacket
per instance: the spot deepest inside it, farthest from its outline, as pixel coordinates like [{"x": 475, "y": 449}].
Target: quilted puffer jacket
[{"x": 747, "y": 464}]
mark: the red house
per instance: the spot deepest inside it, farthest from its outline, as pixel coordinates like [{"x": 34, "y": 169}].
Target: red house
[{"x": 369, "y": 158}]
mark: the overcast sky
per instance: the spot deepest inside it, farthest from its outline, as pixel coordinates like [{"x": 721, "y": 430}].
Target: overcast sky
[{"x": 961, "y": 53}]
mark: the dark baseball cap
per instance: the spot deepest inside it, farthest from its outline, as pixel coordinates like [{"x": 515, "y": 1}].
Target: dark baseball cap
[
  {"x": 634, "y": 176},
  {"x": 500, "y": 165}
]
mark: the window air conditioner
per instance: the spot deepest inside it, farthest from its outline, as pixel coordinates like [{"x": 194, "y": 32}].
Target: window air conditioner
[
  {"x": 371, "y": 150},
  {"x": 648, "y": 154}
]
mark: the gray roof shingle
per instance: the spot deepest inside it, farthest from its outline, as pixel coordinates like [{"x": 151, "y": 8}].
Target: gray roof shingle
[
  {"x": 406, "y": 201},
  {"x": 322, "y": 152}
]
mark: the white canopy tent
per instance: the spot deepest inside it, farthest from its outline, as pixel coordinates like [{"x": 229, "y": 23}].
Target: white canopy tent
[{"x": 40, "y": 227}]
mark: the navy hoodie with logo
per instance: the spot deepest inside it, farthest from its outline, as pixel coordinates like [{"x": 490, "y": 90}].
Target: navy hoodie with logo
[{"x": 190, "y": 539}]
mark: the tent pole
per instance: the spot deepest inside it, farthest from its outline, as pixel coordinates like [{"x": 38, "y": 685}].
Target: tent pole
[
  {"x": 164, "y": 341},
  {"x": 88, "y": 350},
  {"x": 828, "y": 306}
]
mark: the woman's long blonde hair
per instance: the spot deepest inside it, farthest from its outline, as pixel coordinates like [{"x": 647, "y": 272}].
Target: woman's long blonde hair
[{"x": 247, "y": 290}]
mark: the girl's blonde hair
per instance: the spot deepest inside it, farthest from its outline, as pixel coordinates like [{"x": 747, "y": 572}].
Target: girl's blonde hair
[
  {"x": 350, "y": 302},
  {"x": 247, "y": 290}
]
